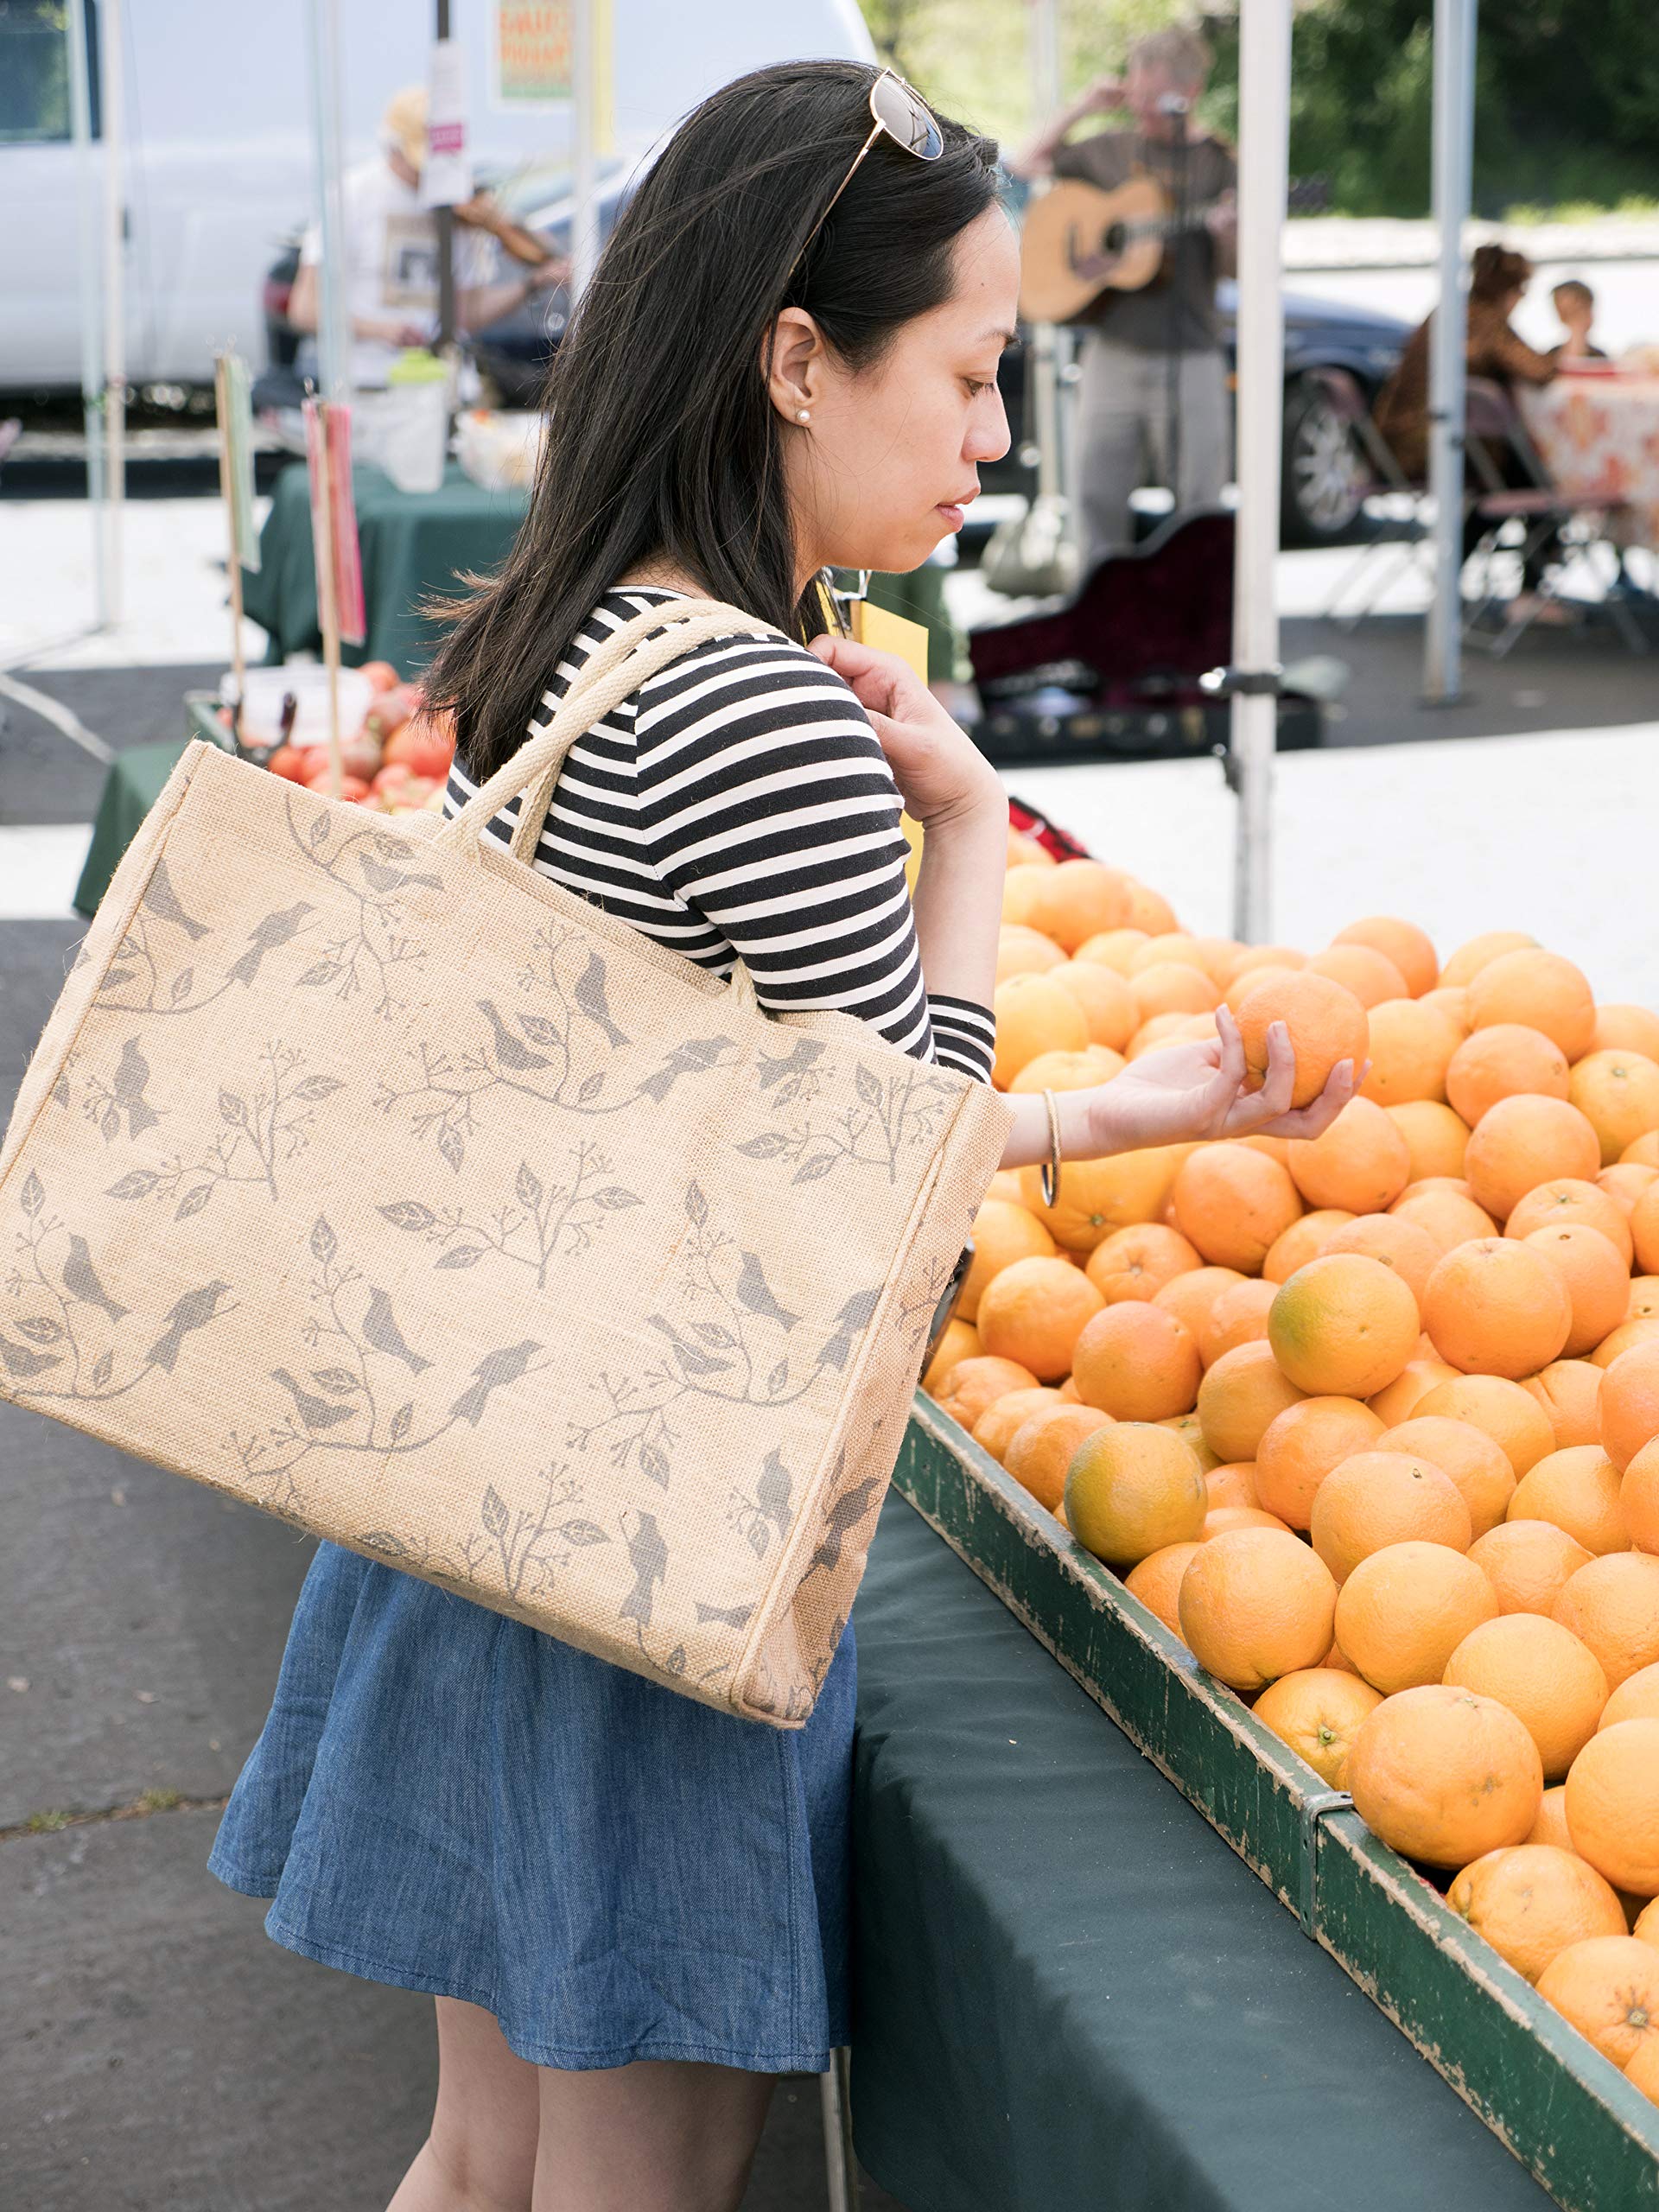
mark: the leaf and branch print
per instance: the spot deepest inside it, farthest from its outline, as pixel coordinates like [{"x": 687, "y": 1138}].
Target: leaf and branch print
[
  {"x": 732, "y": 1340},
  {"x": 56, "y": 1351},
  {"x": 262, "y": 1125},
  {"x": 541, "y": 1222},
  {"x": 563, "y": 1048},
  {"x": 360, "y": 939},
  {"x": 138, "y": 982},
  {"x": 375, "y": 870},
  {"x": 348, "y": 1398},
  {"x": 512, "y": 1549},
  {"x": 888, "y": 1117}
]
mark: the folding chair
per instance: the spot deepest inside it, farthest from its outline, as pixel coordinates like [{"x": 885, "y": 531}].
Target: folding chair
[
  {"x": 1493, "y": 432},
  {"x": 1385, "y": 478}
]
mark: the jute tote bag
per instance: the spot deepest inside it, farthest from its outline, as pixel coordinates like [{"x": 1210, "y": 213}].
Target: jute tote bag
[{"x": 365, "y": 1174}]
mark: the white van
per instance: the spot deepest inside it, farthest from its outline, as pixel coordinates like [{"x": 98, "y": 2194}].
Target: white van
[{"x": 219, "y": 164}]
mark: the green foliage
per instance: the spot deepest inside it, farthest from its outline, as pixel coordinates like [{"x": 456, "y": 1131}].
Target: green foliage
[
  {"x": 1567, "y": 90},
  {"x": 1567, "y": 101},
  {"x": 972, "y": 57}
]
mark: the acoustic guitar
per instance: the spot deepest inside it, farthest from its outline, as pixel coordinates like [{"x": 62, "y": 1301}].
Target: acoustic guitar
[{"x": 1079, "y": 241}]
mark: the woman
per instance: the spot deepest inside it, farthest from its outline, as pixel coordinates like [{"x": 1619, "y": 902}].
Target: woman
[
  {"x": 1497, "y": 282},
  {"x": 631, "y": 1909}
]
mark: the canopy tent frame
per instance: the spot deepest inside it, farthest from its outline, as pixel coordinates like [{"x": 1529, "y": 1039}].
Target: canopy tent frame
[
  {"x": 1453, "y": 169},
  {"x": 1254, "y": 679}
]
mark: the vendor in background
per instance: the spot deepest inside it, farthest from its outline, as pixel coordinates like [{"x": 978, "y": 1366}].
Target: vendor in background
[
  {"x": 1497, "y": 283},
  {"x": 1575, "y": 310},
  {"x": 390, "y": 248},
  {"x": 1124, "y": 401}
]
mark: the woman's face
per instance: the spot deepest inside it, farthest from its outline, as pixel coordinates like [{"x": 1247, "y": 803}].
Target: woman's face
[{"x": 889, "y": 459}]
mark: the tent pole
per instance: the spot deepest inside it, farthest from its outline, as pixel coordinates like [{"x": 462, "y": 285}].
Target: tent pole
[
  {"x": 88, "y": 242},
  {"x": 1264, "y": 160},
  {"x": 112, "y": 106},
  {"x": 1043, "y": 423},
  {"x": 333, "y": 326},
  {"x": 1454, "y": 137},
  {"x": 584, "y": 214},
  {"x": 445, "y": 218}
]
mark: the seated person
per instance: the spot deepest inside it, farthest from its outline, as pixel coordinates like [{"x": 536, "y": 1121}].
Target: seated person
[
  {"x": 1575, "y": 309},
  {"x": 1497, "y": 280}
]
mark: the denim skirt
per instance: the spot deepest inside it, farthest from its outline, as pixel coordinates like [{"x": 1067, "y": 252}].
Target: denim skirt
[{"x": 448, "y": 1801}]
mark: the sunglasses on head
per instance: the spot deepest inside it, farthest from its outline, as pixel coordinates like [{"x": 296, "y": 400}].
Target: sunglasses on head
[{"x": 900, "y": 114}]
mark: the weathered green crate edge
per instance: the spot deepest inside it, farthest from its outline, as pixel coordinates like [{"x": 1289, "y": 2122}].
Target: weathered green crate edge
[{"x": 1587, "y": 2134}]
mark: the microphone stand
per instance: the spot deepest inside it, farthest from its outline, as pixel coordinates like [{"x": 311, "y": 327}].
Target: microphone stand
[{"x": 1175, "y": 106}]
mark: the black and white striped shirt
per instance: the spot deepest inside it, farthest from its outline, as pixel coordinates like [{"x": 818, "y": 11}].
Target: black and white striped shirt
[{"x": 741, "y": 801}]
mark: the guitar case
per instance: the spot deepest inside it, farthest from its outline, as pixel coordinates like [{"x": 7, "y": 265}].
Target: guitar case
[{"x": 1111, "y": 672}]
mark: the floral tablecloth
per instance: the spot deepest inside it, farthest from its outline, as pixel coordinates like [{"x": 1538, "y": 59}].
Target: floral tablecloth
[{"x": 1599, "y": 436}]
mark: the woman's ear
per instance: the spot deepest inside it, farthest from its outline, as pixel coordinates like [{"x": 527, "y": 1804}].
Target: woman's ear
[{"x": 793, "y": 363}]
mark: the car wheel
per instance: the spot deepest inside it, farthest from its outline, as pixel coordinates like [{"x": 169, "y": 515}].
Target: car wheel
[{"x": 1324, "y": 475}]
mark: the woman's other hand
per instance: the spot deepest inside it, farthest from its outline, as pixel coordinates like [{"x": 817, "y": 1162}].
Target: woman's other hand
[
  {"x": 941, "y": 773},
  {"x": 1197, "y": 1091}
]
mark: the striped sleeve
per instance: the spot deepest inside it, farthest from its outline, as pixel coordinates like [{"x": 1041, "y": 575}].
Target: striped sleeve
[
  {"x": 765, "y": 803},
  {"x": 964, "y": 1035}
]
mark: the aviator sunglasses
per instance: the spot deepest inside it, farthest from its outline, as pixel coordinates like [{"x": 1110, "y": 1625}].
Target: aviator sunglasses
[{"x": 900, "y": 114}]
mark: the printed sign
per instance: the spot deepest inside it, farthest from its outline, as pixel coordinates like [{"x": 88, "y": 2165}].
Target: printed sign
[
  {"x": 446, "y": 178},
  {"x": 533, "y": 58}
]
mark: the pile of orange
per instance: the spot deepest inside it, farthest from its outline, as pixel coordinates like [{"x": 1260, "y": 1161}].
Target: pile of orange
[{"x": 1369, "y": 1422}]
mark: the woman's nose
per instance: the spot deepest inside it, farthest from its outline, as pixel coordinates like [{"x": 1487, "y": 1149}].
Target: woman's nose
[{"x": 987, "y": 434}]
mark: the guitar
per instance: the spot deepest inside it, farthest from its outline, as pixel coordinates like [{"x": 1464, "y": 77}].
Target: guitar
[{"x": 1079, "y": 241}]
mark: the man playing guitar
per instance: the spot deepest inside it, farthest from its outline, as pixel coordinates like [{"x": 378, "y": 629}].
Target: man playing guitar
[{"x": 1130, "y": 385}]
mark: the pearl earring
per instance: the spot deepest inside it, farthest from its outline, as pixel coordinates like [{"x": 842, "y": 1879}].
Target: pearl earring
[{"x": 802, "y": 415}]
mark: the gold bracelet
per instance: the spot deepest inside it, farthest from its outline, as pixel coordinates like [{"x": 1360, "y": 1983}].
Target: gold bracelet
[{"x": 1050, "y": 1169}]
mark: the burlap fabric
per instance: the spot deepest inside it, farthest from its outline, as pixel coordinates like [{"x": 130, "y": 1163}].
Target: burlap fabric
[{"x": 366, "y": 1175}]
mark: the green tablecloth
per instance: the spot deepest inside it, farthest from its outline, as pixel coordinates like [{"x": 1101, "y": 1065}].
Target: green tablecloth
[
  {"x": 413, "y": 543},
  {"x": 417, "y": 543},
  {"x": 1071, "y": 1995}
]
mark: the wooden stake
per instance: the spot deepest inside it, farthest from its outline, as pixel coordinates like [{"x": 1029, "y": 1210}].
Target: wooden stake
[
  {"x": 327, "y": 610},
  {"x": 238, "y": 665}
]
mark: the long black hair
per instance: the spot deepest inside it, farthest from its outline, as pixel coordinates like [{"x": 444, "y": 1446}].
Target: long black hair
[{"x": 663, "y": 441}]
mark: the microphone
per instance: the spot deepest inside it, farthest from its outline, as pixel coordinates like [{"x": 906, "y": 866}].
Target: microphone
[{"x": 1173, "y": 103}]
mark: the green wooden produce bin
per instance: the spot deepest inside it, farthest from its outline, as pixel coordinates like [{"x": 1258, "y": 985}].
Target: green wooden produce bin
[{"x": 1588, "y": 2135}]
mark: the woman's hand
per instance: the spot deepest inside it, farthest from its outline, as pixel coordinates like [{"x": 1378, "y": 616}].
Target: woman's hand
[
  {"x": 941, "y": 773},
  {"x": 1197, "y": 1091}
]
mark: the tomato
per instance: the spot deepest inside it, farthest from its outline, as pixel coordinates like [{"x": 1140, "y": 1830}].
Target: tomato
[
  {"x": 391, "y": 709},
  {"x": 424, "y": 744},
  {"x": 351, "y": 787}
]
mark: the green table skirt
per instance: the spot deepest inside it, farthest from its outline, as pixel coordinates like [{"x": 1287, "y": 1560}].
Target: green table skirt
[
  {"x": 413, "y": 544},
  {"x": 1071, "y": 1996}
]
